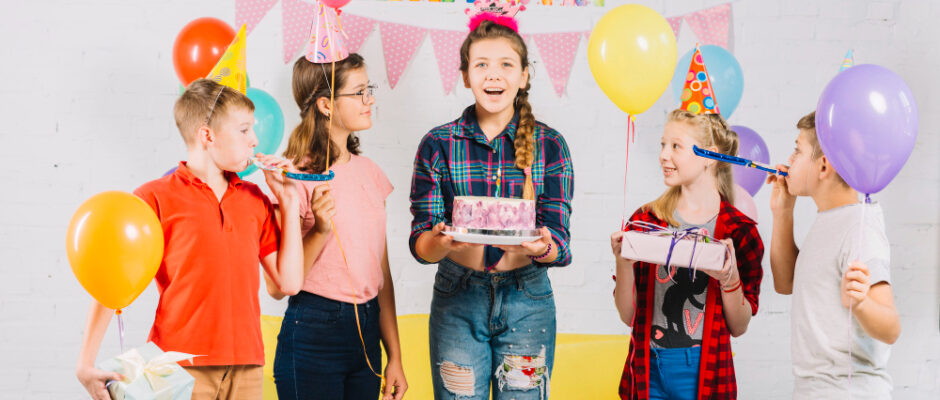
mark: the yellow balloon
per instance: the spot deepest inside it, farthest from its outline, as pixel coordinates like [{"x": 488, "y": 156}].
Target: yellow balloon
[
  {"x": 115, "y": 246},
  {"x": 632, "y": 54}
]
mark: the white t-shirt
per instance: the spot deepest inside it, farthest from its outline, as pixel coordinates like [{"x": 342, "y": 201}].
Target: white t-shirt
[{"x": 820, "y": 324}]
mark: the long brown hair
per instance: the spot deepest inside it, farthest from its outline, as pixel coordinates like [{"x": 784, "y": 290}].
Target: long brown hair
[
  {"x": 712, "y": 131},
  {"x": 307, "y": 145},
  {"x": 525, "y": 141}
]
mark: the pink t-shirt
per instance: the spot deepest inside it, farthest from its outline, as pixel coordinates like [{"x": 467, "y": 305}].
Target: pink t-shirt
[{"x": 359, "y": 191}]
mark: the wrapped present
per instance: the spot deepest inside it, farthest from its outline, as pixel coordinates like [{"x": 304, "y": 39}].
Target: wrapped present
[
  {"x": 690, "y": 248},
  {"x": 149, "y": 373}
]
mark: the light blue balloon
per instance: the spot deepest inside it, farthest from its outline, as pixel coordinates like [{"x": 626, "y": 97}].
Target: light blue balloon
[
  {"x": 725, "y": 74},
  {"x": 269, "y": 124}
]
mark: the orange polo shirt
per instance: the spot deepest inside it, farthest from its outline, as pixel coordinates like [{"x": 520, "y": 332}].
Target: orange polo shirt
[{"x": 208, "y": 279}]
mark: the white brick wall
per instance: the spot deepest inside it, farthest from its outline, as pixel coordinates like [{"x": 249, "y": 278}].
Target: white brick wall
[{"x": 86, "y": 105}]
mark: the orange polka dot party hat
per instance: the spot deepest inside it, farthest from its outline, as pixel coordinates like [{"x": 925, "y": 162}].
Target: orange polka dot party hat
[{"x": 698, "y": 97}]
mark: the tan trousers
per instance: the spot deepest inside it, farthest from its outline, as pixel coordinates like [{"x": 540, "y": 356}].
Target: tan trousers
[{"x": 227, "y": 382}]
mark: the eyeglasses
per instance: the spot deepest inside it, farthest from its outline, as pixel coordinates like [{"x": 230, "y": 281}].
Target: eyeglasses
[{"x": 367, "y": 93}]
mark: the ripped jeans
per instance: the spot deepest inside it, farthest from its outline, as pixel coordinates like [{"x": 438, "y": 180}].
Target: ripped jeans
[{"x": 491, "y": 328}]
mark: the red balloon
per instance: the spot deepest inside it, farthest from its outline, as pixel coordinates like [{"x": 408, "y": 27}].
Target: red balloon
[
  {"x": 335, "y": 3},
  {"x": 199, "y": 46}
]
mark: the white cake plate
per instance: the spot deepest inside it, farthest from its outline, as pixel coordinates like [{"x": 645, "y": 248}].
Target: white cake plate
[{"x": 493, "y": 236}]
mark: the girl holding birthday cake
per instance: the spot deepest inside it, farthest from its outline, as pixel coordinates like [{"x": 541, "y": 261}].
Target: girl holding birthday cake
[{"x": 495, "y": 169}]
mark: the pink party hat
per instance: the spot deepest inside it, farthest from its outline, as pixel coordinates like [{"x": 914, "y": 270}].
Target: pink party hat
[
  {"x": 327, "y": 39},
  {"x": 500, "y": 12}
]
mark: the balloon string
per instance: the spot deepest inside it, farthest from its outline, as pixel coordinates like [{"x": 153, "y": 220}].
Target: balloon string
[
  {"x": 120, "y": 319},
  {"x": 631, "y": 136},
  {"x": 342, "y": 252},
  {"x": 858, "y": 255}
]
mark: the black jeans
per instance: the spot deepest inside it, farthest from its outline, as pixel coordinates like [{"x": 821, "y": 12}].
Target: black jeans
[{"x": 319, "y": 355}]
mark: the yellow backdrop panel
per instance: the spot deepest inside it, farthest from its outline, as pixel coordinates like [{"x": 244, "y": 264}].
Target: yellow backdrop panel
[{"x": 586, "y": 366}]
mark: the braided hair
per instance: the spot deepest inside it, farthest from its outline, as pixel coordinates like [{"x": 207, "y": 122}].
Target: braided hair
[{"x": 525, "y": 131}]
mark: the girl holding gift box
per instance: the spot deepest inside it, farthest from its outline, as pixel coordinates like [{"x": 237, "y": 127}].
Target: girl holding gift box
[
  {"x": 492, "y": 320},
  {"x": 681, "y": 318},
  {"x": 328, "y": 346}
]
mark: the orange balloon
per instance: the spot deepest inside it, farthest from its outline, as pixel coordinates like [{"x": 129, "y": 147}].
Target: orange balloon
[
  {"x": 199, "y": 46},
  {"x": 115, "y": 246}
]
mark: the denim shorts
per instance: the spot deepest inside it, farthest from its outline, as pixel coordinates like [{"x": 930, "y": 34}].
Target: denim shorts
[{"x": 674, "y": 373}]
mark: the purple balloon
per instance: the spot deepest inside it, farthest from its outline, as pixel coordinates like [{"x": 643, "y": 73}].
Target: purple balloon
[
  {"x": 866, "y": 121},
  {"x": 752, "y": 147}
]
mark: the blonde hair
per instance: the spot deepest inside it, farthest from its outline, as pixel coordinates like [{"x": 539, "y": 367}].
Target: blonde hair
[
  {"x": 712, "y": 131},
  {"x": 203, "y": 103},
  {"x": 525, "y": 131},
  {"x": 308, "y": 142},
  {"x": 808, "y": 125}
]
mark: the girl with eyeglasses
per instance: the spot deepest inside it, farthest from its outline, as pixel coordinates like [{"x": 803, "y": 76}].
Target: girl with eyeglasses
[{"x": 328, "y": 347}]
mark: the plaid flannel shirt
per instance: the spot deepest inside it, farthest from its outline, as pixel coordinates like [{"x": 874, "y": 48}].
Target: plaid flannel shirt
[
  {"x": 456, "y": 159},
  {"x": 716, "y": 371}
]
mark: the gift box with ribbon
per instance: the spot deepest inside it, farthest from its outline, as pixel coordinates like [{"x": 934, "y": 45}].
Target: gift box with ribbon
[
  {"x": 149, "y": 373},
  {"x": 689, "y": 248}
]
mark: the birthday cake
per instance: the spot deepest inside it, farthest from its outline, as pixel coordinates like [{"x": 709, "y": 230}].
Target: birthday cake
[{"x": 493, "y": 213}]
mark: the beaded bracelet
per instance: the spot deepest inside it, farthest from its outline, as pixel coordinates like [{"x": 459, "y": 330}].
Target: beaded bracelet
[{"x": 547, "y": 252}]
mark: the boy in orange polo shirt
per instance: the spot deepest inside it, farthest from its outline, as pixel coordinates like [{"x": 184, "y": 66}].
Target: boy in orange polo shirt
[{"x": 216, "y": 228}]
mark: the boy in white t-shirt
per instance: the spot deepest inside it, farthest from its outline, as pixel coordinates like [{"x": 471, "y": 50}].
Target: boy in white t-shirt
[{"x": 836, "y": 267}]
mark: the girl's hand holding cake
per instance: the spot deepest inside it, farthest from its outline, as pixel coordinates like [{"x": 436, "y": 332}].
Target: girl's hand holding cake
[{"x": 543, "y": 250}]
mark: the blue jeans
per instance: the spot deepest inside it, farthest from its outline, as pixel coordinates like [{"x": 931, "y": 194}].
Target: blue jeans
[
  {"x": 319, "y": 355},
  {"x": 491, "y": 328},
  {"x": 674, "y": 373}
]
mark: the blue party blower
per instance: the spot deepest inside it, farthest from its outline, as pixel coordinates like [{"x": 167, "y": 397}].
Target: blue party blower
[{"x": 735, "y": 160}]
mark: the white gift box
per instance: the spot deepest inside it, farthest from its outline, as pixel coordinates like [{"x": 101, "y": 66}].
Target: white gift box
[{"x": 654, "y": 247}]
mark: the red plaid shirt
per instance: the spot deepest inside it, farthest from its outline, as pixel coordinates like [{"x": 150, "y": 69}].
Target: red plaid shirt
[{"x": 716, "y": 371}]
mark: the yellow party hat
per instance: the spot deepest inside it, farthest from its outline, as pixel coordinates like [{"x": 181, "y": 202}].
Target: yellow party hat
[{"x": 230, "y": 70}]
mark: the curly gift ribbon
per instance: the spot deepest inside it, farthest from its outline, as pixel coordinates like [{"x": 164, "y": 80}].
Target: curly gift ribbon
[
  {"x": 134, "y": 366},
  {"x": 676, "y": 235}
]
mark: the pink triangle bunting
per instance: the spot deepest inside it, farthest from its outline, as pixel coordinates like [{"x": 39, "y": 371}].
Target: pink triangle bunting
[
  {"x": 357, "y": 30},
  {"x": 711, "y": 25},
  {"x": 298, "y": 16},
  {"x": 251, "y": 12},
  {"x": 447, "y": 51},
  {"x": 675, "y": 23},
  {"x": 557, "y": 51},
  {"x": 399, "y": 43}
]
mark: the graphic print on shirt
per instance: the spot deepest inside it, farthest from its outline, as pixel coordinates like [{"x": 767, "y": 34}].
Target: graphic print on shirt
[{"x": 683, "y": 307}]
